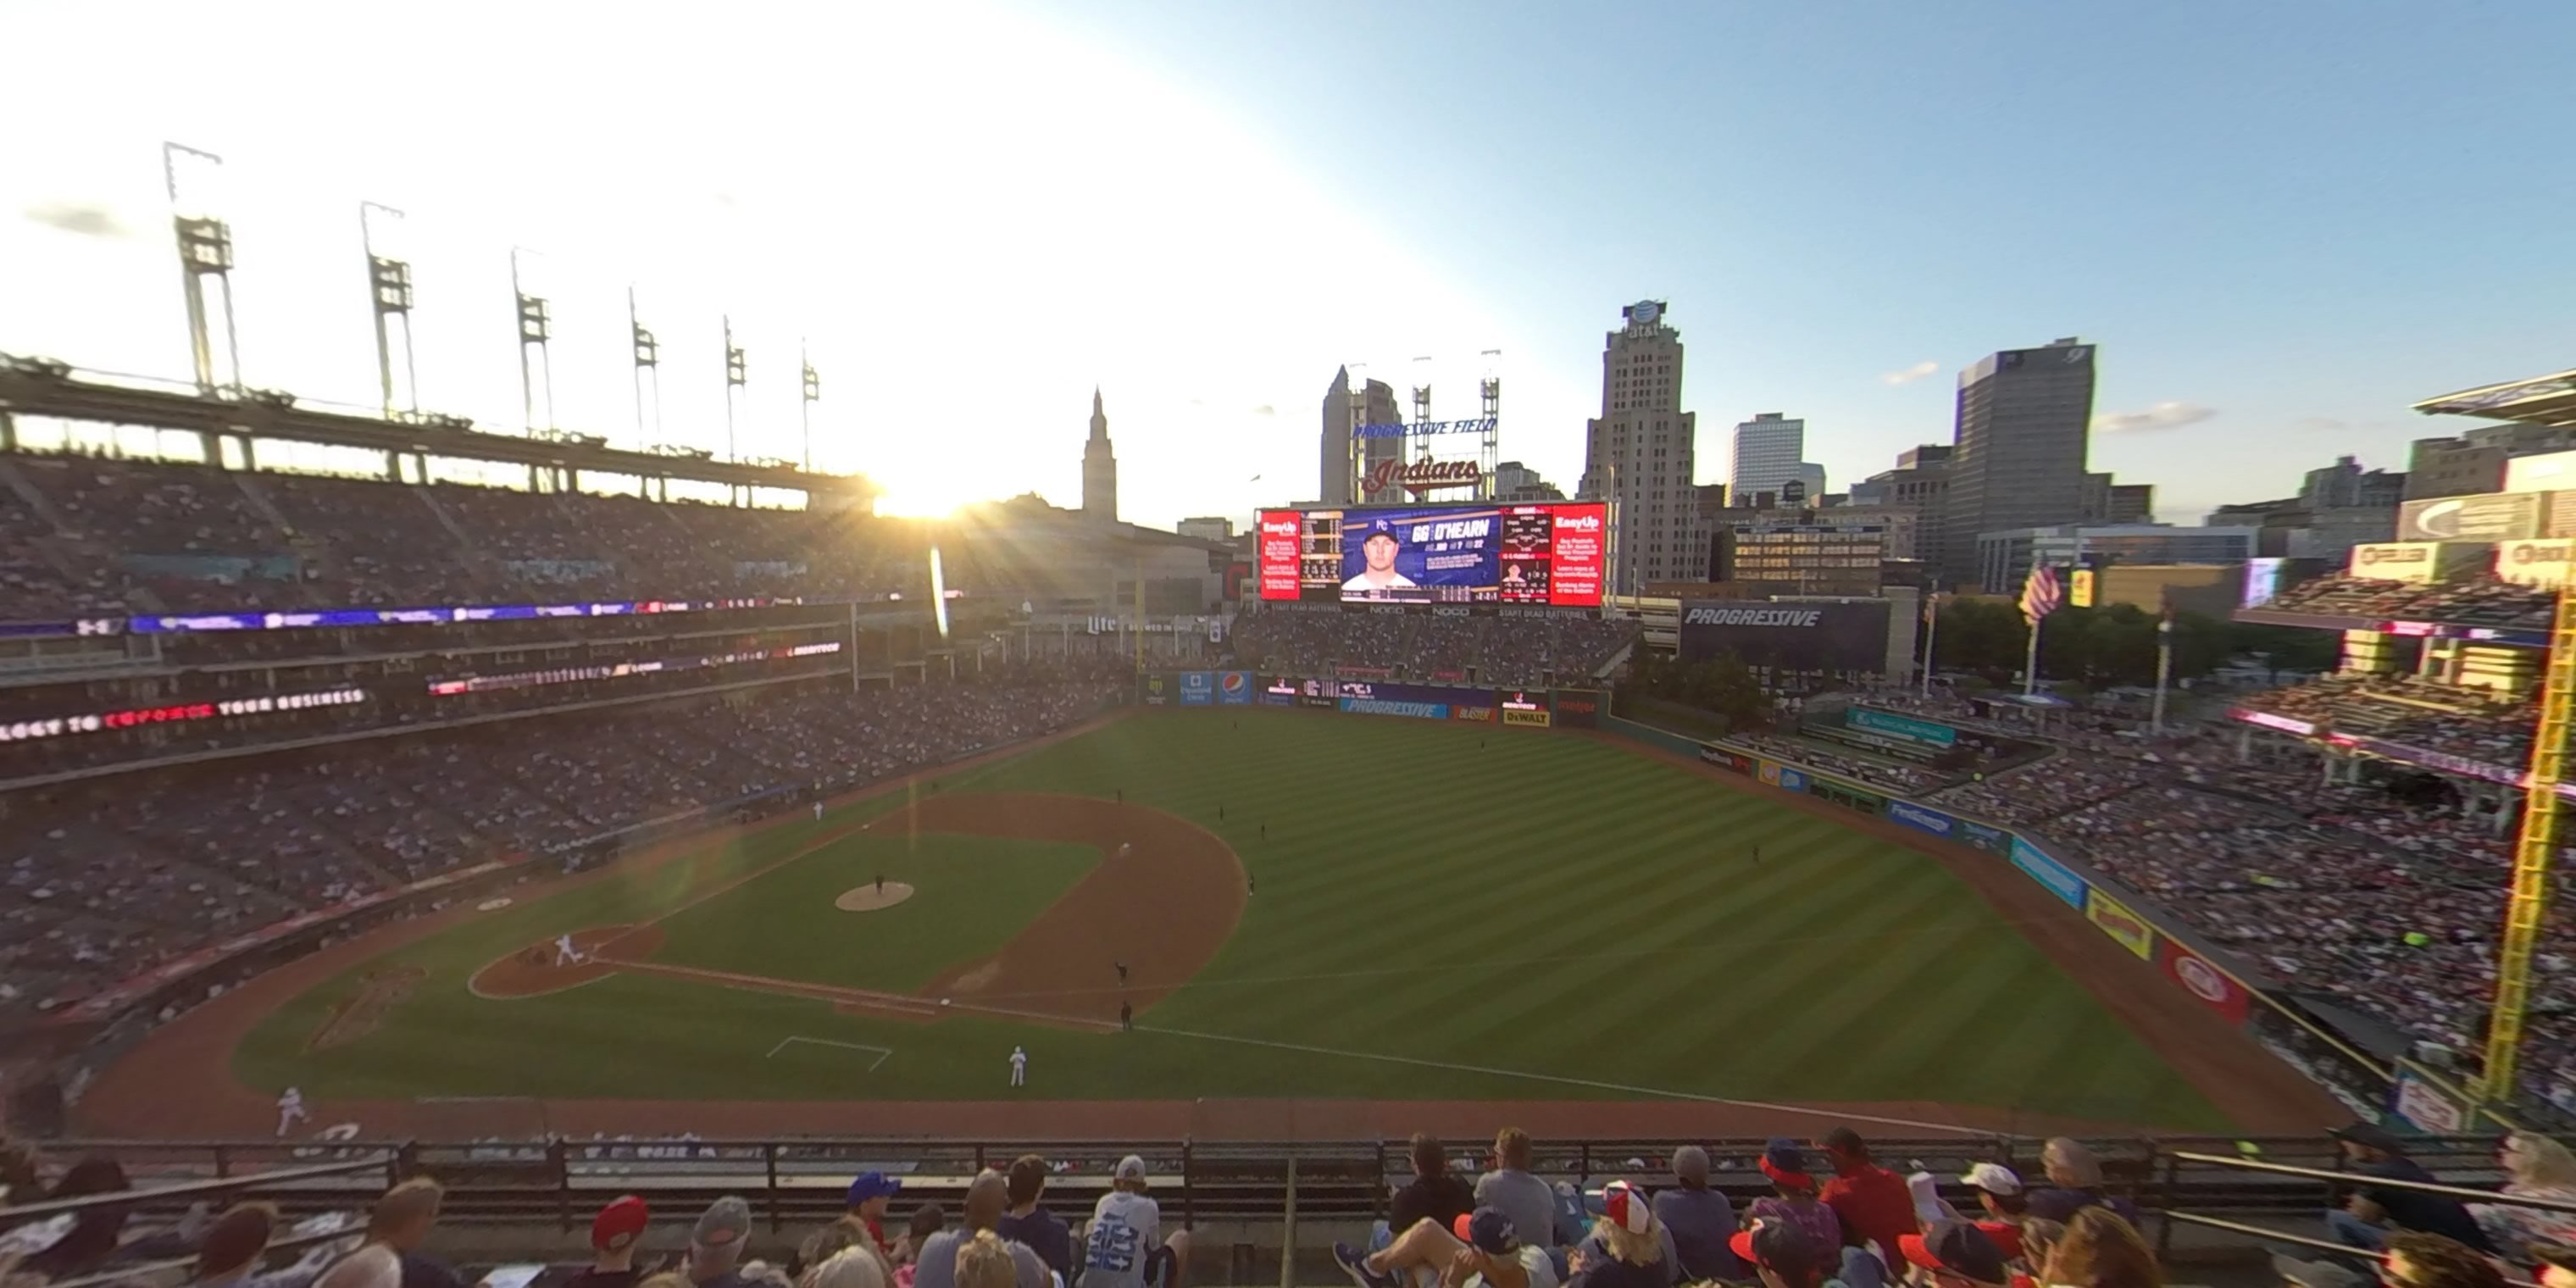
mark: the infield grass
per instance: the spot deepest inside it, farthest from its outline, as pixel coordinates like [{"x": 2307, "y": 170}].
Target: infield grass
[{"x": 1443, "y": 912}]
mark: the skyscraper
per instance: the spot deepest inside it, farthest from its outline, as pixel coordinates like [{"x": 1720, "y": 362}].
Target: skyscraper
[
  {"x": 2024, "y": 425},
  {"x": 1767, "y": 451},
  {"x": 1099, "y": 468},
  {"x": 1345, "y": 462},
  {"x": 1637, "y": 454}
]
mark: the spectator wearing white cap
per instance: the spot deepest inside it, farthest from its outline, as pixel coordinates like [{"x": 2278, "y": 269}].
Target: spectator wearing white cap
[
  {"x": 1628, "y": 1247},
  {"x": 1126, "y": 1247},
  {"x": 1999, "y": 1192},
  {"x": 1700, "y": 1220}
]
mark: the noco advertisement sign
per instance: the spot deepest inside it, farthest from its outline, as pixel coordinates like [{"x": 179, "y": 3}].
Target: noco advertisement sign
[
  {"x": 1793, "y": 637},
  {"x": 1543, "y": 554}
]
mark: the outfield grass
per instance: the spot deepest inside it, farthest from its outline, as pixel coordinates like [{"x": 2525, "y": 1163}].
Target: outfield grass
[{"x": 1527, "y": 915}]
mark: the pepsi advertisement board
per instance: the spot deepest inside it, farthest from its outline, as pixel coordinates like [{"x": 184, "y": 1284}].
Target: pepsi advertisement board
[
  {"x": 1234, "y": 688},
  {"x": 1547, "y": 554}
]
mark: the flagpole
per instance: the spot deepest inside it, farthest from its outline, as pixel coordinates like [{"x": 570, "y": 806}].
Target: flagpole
[
  {"x": 2164, "y": 668},
  {"x": 2030, "y": 660},
  {"x": 1931, "y": 636}
]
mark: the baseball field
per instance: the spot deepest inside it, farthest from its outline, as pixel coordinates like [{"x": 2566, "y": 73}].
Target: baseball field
[{"x": 1286, "y": 907}]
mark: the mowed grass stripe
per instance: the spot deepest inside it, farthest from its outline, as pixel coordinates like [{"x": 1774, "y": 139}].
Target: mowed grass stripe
[{"x": 1550, "y": 904}]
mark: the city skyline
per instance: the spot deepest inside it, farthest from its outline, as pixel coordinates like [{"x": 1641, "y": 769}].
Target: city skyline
[{"x": 2243, "y": 235}]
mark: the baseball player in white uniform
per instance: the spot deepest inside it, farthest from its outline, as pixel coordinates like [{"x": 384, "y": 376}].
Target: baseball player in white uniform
[
  {"x": 818, "y": 811},
  {"x": 565, "y": 953},
  {"x": 1019, "y": 1067},
  {"x": 290, "y": 1110},
  {"x": 1124, "y": 847}
]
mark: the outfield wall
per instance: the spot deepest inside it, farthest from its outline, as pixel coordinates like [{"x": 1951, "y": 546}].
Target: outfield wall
[{"x": 1533, "y": 708}]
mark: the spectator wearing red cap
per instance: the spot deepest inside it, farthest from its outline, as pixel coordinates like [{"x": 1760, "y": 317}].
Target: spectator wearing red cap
[
  {"x": 1629, "y": 1248},
  {"x": 1871, "y": 1202},
  {"x": 1794, "y": 1199},
  {"x": 615, "y": 1235},
  {"x": 1959, "y": 1255},
  {"x": 1781, "y": 1254}
]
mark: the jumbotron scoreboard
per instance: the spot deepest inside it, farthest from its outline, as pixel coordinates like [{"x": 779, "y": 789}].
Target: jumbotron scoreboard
[{"x": 1547, "y": 554}]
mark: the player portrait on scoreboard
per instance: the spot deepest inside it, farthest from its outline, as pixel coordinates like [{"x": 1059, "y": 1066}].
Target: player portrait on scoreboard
[{"x": 1377, "y": 577}]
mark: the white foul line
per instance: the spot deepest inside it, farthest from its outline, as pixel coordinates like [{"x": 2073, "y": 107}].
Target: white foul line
[
  {"x": 882, "y": 1052},
  {"x": 1621, "y": 1087}
]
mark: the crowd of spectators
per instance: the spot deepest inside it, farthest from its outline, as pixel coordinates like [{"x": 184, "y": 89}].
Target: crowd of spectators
[
  {"x": 1883, "y": 773},
  {"x": 1511, "y": 651},
  {"x": 2457, "y": 721},
  {"x": 85, "y": 535},
  {"x": 101, "y": 882},
  {"x": 2477, "y": 601}
]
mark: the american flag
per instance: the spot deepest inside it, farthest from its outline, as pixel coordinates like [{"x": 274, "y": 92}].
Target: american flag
[{"x": 2039, "y": 596}]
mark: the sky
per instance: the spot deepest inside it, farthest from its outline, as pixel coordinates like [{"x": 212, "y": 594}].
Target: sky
[{"x": 2282, "y": 224}]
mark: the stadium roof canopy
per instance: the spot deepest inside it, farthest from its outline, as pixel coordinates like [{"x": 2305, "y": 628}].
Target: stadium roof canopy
[{"x": 2540, "y": 400}]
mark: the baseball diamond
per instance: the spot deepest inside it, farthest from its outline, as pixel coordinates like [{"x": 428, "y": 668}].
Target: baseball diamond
[{"x": 1316, "y": 923}]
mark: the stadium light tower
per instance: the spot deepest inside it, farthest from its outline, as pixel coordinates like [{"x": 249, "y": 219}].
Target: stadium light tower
[
  {"x": 205, "y": 252},
  {"x": 2535, "y": 851},
  {"x": 536, "y": 327},
  {"x": 813, "y": 393},
  {"x": 648, "y": 367},
  {"x": 737, "y": 375},
  {"x": 1489, "y": 387},
  {"x": 389, "y": 288}
]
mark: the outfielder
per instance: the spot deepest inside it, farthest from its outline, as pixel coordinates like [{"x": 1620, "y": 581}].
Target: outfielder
[
  {"x": 1019, "y": 1067},
  {"x": 290, "y": 1110}
]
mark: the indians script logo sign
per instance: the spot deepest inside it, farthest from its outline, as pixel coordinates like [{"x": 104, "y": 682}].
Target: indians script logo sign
[
  {"x": 2201, "y": 978},
  {"x": 1798, "y": 617},
  {"x": 1421, "y": 476}
]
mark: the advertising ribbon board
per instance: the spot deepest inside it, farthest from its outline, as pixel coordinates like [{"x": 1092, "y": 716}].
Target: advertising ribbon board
[
  {"x": 1793, "y": 779},
  {"x": 1198, "y": 688},
  {"x": 2204, "y": 981},
  {"x": 1277, "y": 691},
  {"x": 1993, "y": 840},
  {"x": 1157, "y": 690},
  {"x": 2126, "y": 928},
  {"x": 1769, "y": 773},
  {"x": 2049, "y": 872},
  {"x": 1234, "y": 688},
  {"x": 1724, "y": 759},
  {"x": 1906, "y": 727},
  {"x": 1419, "y": 701},
  {"x": 1921, "y": 819},
  {"x": 1484, "y": 715}
]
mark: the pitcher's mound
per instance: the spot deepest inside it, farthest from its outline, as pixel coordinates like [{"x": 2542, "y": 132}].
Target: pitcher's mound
[{"x": 868, "y": 898}]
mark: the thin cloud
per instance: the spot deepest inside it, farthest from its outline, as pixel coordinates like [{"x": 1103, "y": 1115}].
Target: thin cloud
[
  {"x": 1910, "y": 374},
  {"x": 2164, "y": 415},
  {"x": 82, "y": 219},
  {"x": 1265, "y": 409},
  {"x": 2319, "y": 424}
]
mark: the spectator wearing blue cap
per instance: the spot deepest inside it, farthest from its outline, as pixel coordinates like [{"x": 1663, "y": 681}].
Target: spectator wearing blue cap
[
  {"x": 867, "y": 1201},
  {"x": 1483, "y": 1247}
]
